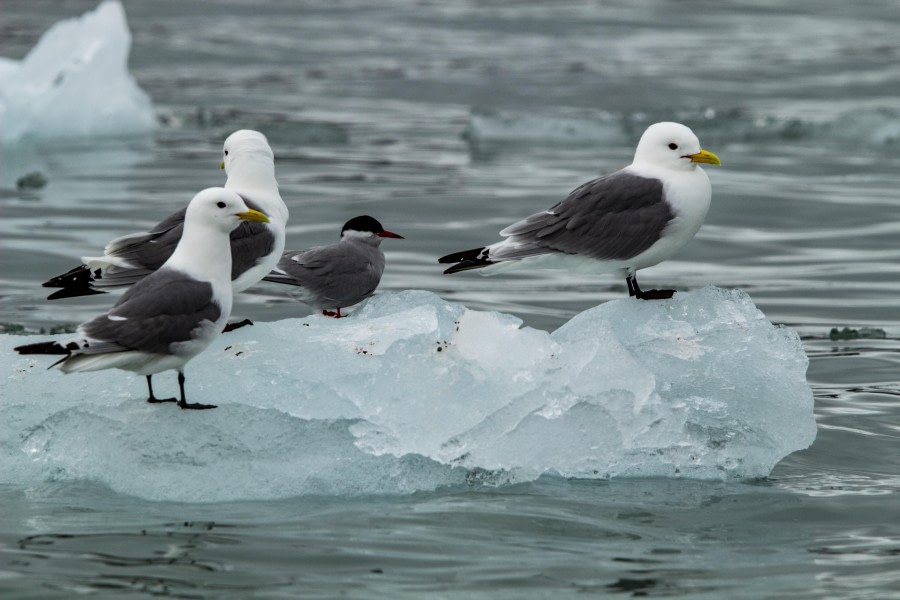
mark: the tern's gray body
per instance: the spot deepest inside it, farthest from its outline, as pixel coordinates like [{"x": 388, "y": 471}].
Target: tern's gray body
[{"x": 338, "y": 275}]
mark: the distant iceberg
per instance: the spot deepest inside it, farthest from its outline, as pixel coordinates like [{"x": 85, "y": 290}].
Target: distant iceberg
[
  {"x": 75, "y": 83},
  {"x": 413, "y": 393}
]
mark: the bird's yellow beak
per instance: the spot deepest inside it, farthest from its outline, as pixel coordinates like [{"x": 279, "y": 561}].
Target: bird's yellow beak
[
  {"x": 222, "y": 165},
  {"x": 253, "y": 215},
  {"x": 705, "y": 157}
]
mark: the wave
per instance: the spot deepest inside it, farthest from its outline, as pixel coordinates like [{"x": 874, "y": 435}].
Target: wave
[{"x": 879, "y": 126}]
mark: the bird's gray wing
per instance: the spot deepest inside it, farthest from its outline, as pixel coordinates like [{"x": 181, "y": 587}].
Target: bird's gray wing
[
  {"x": 161, "y": 309},
  {"x": 146, "y": 252},
  {"x": 611, "y": 218},
  {"x": 150, "y": 249},
  {"x": 341, "y": 274},
  {"x": 250, "y": 243}
]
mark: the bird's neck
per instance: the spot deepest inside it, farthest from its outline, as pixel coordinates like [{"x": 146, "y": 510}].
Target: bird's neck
[
  {"x": 251, "y": 173},
  {"x": 257, "y": 182},
  {"x": 360, "y": 238},
  {"x": 654, "y": 171},
  {"x": 204, "y": 254}
]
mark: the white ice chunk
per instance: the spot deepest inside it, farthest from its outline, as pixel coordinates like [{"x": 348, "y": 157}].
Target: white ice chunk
[
  {"x": 702, "y": 386},
  {"x": 75, "y": 83},
  {"x": 411, "y": 393}
]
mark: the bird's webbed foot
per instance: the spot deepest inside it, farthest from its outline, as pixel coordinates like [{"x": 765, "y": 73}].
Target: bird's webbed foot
[
  {"x": 195, "y": 405},
  {"x": 153, "y": 400},
  {"x": 655, "y": 294},
  {"x": 635, "y": 290}
]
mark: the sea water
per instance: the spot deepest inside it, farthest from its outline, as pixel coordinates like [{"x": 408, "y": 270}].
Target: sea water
[{"x": 447, "y": 121}]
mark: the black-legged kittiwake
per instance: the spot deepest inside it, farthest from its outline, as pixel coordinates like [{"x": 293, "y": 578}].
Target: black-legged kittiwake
[
  {"x": 338, "y": 275},
  {"x": 628, "y": 220},
  {"x": 171, "y": 315},
  {"x": 255, "y": 247}
]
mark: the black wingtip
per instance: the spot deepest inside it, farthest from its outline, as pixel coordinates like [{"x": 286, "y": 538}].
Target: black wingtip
[
  {"x": 80, "y": 275},
  {"x": 73, "y": 293},
  {"x": 468, "y": 265},
  {"x": 76, "y": 282},
  {"x": 46, "y": 348},
  {"x": 465, "y": 260},
  {"x": 473, "y": 254},
  {"x": 461, "y": 256},
  {"x": 282, "y": 279}
]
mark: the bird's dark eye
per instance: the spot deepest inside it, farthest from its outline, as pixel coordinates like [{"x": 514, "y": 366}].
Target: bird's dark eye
[
  {"x": 226, "y": 153},
  {"x": 220, "y": 204},
  {"x": 672, "y": 146}
]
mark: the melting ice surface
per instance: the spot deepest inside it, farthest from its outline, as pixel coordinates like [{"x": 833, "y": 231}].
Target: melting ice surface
[
  {"x": 412, "y": 393},
  {"x": 75, "y": 82}
]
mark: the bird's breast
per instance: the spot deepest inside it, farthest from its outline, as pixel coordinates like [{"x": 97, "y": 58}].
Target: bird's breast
[{"x": 689, "y": 196}]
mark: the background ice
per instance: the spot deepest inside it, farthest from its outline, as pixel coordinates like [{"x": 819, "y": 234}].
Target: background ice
[
  {"x": 411, "y": 393},
  {"x": 75, "y": 83}
]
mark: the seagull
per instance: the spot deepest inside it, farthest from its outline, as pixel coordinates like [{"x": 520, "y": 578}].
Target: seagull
[
  {"x": 339, "y": 275},
  {"x": 174, "y": 313},
  {"x": 629, "y": 220},
  {"x": 255, "y": 247}
]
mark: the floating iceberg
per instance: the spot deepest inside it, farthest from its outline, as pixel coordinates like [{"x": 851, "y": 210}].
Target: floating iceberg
[
  {"x": 75, "y": 83},
  {"x": 413, "y": 393}
]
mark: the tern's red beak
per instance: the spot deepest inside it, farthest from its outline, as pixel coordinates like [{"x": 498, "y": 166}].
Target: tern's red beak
[{"x": 389, "y": 234}]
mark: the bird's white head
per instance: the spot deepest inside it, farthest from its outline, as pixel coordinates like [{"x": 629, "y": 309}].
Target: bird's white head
[
  {"x": 219, "y": 209},
  {"x": 204, "y": 250},
  {"x": 672, "y": 146},
  {"x": 247, "y": 154}
]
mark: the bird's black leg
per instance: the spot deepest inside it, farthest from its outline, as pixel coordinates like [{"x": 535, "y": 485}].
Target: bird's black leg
[
  {"x": 183, "y": 404},
  {"x": 153, "y": 398},
  {"x": 238, "y": 325},
  {"x": 635, "y": 290}
]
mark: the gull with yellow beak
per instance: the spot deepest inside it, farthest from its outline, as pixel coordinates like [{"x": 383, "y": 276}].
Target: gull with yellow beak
[
  {"x": 255, "y": 247},
  {"x": 629, "y": 220},
  {"x": 174, "y": 313}
]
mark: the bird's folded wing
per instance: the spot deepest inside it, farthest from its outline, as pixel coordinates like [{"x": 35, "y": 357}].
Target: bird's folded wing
[
  {"x": 159, "y": 310},
  {"x": 150, "y": 249},
  {"x": 610, "y": 218},
  {"x": 250, "y": 243}
]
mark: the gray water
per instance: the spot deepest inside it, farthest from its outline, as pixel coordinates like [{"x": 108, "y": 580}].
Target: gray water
[{"x": 447, "y": 121}]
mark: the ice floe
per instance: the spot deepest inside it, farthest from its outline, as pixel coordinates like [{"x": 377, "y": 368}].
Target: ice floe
[{"x": 413, "y": 393}]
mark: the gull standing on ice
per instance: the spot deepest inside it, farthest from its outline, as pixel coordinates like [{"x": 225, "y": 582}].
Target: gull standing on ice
[
  {"x": 629, "y": 220},
  {"x": 339, "y": 275},
  {"x": 174, "y": 313},
  {"x": 255, "y": 247}
]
